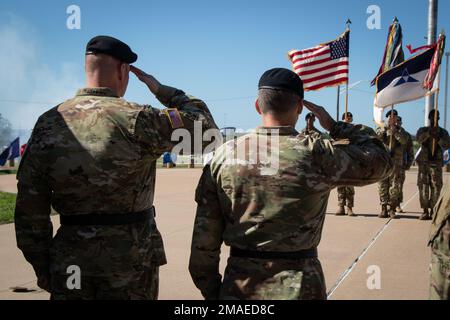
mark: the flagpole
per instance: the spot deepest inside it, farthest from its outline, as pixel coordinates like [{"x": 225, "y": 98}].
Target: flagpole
[
  {"x": 391, "y": 142},
  {"x": 436, "y": 106},
  {"x": 436, "y": 99},
  {"x": 348, "y": 23},
  {"x": 337, "y": 103},
  {"x": 346, "y": 100}
]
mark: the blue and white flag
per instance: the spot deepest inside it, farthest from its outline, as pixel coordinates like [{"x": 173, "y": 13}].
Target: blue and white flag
[
  {"x": 12, "y": 152},
  {"x": 446, "y": 157},
  {"x": 405, "y": 82}
]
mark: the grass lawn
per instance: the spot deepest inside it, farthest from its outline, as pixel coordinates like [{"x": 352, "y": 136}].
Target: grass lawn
[
  {"x": 7, "y": 204},
  {"x": 5, "y": 172}
]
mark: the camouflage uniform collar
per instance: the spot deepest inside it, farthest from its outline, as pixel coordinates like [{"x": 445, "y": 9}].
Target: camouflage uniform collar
[
  {"x": 280, "y": 130},
  {"x": 313, "y": 129},
  {"x": 102, "y": 92}
]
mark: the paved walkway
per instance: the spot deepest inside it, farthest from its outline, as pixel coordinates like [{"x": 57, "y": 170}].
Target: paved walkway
[{"x": 351, "y": 250}]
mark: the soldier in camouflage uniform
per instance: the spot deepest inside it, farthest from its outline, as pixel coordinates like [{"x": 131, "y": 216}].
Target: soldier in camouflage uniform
[
  {"x": 93, "y": 159},
  {"x": 310, "y": 129},
  {"x": 346, "y": 194},
  {"x": 271, "y": 213},
  {"x": 440, "y": 248},
  {"x": 389, "y": 188},
  {"x": 408, "y": 159},
  {"x": 430, "y": 165}
]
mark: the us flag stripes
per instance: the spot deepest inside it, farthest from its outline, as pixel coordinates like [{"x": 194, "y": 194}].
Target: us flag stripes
[{"x": 325, "y": 65}]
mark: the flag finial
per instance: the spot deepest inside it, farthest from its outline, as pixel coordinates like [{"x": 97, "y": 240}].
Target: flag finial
[
  {"x": 348, "y": 23},
  {"x": 395, "y": 20}
]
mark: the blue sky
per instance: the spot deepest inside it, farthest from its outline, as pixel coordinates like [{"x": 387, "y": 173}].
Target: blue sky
[{"x": 216, "y": 50}]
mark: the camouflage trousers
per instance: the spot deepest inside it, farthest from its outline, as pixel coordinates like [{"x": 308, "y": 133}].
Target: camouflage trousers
[
  {"x": 389, "y": 188},
  {"x": 142, "y": 285},
  {"x": 430, "y": 184},
  {"x": 346, "y": 196},
  {"x": 402, "y": 183},
  {"x": 261, "y": 279},
  {"x": 112, "y": 262},
  {"x": 440, "y": 265}
]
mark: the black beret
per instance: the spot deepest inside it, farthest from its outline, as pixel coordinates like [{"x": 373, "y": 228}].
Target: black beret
[
  {"x": 389, "y": 113},
  {"x": 309, "y": 115},
  {"x": 282, "y": 79},
  {"x": 111, "y": 46},
  {"x": 431, "y": 114},
  {"x": 349, "y": 114}
]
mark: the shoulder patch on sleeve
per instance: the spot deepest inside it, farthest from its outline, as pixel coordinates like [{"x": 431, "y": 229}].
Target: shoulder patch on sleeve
[{"x": 174, "y": 118}]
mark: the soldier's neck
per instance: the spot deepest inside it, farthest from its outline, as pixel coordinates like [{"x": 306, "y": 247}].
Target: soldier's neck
[
  {"x": 98, "y": 83},
  {"x": 271, "y": 121}
]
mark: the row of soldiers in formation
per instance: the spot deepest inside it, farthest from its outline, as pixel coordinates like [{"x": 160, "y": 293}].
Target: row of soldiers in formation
[
  {"x": 429, "y": 179},
  {"x": 93, "y": 159}
]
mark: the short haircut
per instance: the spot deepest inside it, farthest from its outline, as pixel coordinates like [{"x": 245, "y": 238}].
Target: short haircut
[
  {"x": 431, "y": 114},
  {"x": 274, "y": 101},
  {"x": 101, "y": 63}
]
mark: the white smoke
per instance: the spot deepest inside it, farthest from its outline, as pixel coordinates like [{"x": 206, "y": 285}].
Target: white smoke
[{"x": 29, "y": 87}]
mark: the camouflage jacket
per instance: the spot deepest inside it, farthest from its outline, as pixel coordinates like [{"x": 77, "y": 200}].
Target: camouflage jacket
[
  {"x": 276, "y": 205},
  {"x": 441, "y": 213},
  {"x": 426, "y": 145},
  {"x": 94, "y": 153},
  {"x": 399, "y": 142}
]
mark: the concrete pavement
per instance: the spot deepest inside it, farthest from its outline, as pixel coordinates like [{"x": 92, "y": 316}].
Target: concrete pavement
[{"x": 350, "y": 250}]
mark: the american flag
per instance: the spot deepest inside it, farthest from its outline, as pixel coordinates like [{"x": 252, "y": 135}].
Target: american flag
[{"x": 325, "y": 65}]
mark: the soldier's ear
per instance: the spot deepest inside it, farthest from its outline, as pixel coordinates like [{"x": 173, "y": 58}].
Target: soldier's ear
[
  {"x": 300, "y": 107},
  {"x": 257, "y": 107}
]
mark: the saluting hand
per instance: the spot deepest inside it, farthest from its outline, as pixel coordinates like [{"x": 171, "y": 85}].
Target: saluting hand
[
  {"x": 326, "y": 121},
  {"x": 149, "y": 80}
]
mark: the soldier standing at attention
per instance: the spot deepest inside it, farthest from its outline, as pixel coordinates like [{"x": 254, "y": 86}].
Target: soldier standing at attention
[
  {"x": 346, "y": 194},
  {"x": 93, "y": 159},
  {"x": 429, "y": 179},
  {"x": 408, "y": 159},
  {"x": 271, "y": 213},
  {"x": 389, "y": 188},
  {"x": 310, "y": 129},
  {"x": 440, "y": 248}
]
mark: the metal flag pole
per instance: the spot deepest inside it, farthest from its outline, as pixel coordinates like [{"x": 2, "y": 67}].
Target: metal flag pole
[
  {"x": 348, "y": 23},
  {"x": 436, "y": 107},
  {"x": 432, "y": 35},
  {"x": 337, "y": 103},
  {"x": 447, "y": 54},
  {"x": 391, "y": 142},
  {"x": 436, "y": 99}
]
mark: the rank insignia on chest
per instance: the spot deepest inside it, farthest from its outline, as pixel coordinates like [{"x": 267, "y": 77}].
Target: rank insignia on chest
[{"x": 174, "y": 118}]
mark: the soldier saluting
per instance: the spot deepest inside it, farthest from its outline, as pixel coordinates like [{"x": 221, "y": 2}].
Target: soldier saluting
[
  {"x": 272, "y": 216},
  {"x": 310, "y": 129},
  {"x": 93, "y": 159}
]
